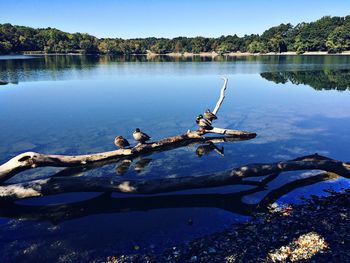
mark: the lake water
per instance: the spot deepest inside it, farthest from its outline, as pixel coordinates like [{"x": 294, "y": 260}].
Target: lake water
[{"x": 298, "y": 105}]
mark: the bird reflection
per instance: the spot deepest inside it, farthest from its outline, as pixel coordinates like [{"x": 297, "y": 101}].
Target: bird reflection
[
  {"x": 208, "y": 148},
  {"x": 123, "y": 167},
  {"x": 142, "y": 164}
]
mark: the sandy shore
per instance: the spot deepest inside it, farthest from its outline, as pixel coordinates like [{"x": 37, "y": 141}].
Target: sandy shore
[
  {"x": 242, "y": 54},
  {"x": 203, "y": 54}
]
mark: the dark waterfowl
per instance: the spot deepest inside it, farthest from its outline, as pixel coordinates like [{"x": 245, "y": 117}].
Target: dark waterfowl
[
  {"x": 121, "y": 142},
  {"x": 203, "y": 123},
  {"x": 209, "y": 115},
  {"x": 140, "y": 136}
]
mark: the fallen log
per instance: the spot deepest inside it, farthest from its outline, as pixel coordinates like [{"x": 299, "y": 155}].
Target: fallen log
[
  {"x": 75, "y": 170},
  {"x": 57, "y": 185},
  {"x": 29, "y": 160}
]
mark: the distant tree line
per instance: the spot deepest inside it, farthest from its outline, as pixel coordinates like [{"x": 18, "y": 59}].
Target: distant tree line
[{"x": 331, "y": 34}]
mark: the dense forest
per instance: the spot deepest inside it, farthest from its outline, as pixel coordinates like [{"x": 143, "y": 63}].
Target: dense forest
[{"x": 331, "y": 34}]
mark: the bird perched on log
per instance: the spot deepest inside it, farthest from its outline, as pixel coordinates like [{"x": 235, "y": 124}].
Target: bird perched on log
[
  {"x": 121, "y": 142},
  {"x": 140, "y": 136},
  {"x": 203, "y": 123},
  {"x": 209, "y": 115}
]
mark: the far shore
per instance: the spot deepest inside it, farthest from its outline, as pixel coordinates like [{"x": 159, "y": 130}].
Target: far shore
[
  {"x": 201, "y": 54},
  {"x": 241, "y": 54}
]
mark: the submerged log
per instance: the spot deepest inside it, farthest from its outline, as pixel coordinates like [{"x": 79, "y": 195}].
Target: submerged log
[
  {"x": 57, "y": 185},
  {"x": 106, "y": 203}
]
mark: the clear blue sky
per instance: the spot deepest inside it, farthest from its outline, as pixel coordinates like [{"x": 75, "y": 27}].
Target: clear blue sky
[{"x": 166, "y": 18}]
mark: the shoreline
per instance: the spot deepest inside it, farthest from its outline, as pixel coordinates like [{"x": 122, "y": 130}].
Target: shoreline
[
  {"x": 243, "y": 54},
  {"x": 202, "y": 54},
  {"x": 316, "y": 230}
]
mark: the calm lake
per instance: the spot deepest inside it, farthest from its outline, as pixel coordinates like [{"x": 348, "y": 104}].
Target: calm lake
[{"x": 298, "y": 105}]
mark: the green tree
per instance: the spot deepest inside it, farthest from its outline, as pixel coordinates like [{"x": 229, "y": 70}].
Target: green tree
[
  {"x": 5, "y": 47},
  {"x": 276, "y": 38},
  {"x": 338, "y": 40},
  {"x": 256, "y": 47}
]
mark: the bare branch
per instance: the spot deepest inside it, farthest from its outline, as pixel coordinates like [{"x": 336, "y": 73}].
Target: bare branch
[{"x": 222, "y": 96}]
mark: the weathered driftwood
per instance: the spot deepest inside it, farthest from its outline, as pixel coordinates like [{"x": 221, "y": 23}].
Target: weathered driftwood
[
  {"x": 222, "y": 96},
  {"x": 30, "y": 160},
  {"x": 57, "y": 185},
  {"x": 75, "y": 170}
]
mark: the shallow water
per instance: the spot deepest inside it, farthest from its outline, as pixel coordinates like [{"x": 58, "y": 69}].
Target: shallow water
[{"x": 297, "y": 105}]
